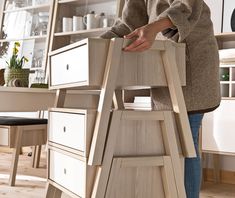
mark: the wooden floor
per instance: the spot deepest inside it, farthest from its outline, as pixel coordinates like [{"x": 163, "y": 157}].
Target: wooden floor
[{"x": 31, "y": 182}]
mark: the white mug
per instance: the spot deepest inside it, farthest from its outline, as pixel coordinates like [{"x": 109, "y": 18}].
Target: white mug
[
  {"x": 67, "y": 24},
  {"x": 78, "y": 23},
  {"x": 105, "y": 22}
]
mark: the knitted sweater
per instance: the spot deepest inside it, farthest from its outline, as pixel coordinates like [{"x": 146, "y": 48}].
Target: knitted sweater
[{"x": 193, "y": 27}]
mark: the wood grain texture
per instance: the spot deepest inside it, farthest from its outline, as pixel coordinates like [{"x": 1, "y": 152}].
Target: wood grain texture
[
  {"x": 31, "y": 182},
  {"x": 177, "y": 99},
  {"x": 106, "y": 96}
]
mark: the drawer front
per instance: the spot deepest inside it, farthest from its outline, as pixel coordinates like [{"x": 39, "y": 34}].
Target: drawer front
[
  {"x": 68, "y": 172},
  {"x": 70, "y": 66},
  {"x": 4, "y": 137},
  {"x": 68, "y": 129}
]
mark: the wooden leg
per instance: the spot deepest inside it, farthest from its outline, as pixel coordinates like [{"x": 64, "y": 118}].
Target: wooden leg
[
  {"x": 15, "y": 159},
  {"x": 33, "y": 156},
  {"x": 113, "y": 176},
  {"x": 168, "y": 178},
  {"x": 105, "y": 102},
  {"x": 177, "y": 99},
  {"x": 52, "y": 191},
  {"x": 204, "y": 160},
  {"x": 103, "y": 172},
  {"x": 216, "y": 166},
  {"x": 118, "y": 100},
  {"x": 60, "y": 98},
  {"x": 171, "y": 149},
  {"x": 37, "y": 156}
]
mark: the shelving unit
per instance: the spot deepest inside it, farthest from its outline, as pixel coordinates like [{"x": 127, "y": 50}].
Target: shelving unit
[
  {"x": 227, "y": 69},
  {"x": 218, "y": 126},
  {"x": 107, "y": 150},
  {"x": 70, "y": 8},
  {"x": 38, "y": 8},
  {"x": 82, "y": 2},
  {"x": 40, "y": 38},
  {"x": 227, "y": 80},
  {"x": 22, "y": 24},
  {"x": 82, "y": 32}
]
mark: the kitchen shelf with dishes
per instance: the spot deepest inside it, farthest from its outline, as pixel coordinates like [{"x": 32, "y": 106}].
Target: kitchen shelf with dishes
[
  {"x": 38, "y": 8},
  {"x": 29, "y": 23},
  {"x": 82, "y": 2},
  {"x": 40, "y": 37},
  {"x": 82, "y": 32},
  {"x": 76, "y": 20}
]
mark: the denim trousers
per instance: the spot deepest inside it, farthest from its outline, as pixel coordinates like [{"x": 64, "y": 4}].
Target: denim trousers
[{"x": 192, "y": 178}]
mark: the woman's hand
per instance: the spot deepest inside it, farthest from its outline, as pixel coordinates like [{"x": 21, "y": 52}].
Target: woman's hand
[{"x": 145, "y": 35}]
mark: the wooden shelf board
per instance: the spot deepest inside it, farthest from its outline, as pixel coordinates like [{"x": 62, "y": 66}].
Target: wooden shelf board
[
  {"x": 26, "y": 38},
  {"x": 226, "y": 36},
  {"x": 83, "y": 2},
  {"x": 227, "y": 98},
  {"x": 81, "y": 32},
  {"x": 225, "y": 82},
  {"x": 43, "y": 7},
  {"x": 227, "y": 65}
]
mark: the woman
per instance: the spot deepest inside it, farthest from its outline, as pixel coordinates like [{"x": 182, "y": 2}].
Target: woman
[{"x": 186, "y": 21}]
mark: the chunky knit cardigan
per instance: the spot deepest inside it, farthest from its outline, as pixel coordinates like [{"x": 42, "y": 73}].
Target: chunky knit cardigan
[{"x": 193, "y": 27}]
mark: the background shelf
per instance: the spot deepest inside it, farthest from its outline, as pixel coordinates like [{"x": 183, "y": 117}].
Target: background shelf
[
  {"x": 82, "y": 2},
  {"x": 26, "y": 38},
  {"x": 39, "y": 8},
  {"x": 82, "y": 32}
]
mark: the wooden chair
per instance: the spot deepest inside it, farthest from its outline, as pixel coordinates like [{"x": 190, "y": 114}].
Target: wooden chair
[{"x": 17, "y": 132}]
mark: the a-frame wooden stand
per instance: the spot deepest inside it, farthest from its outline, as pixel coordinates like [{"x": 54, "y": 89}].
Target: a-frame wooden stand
[{"x": 111, "y": 148}]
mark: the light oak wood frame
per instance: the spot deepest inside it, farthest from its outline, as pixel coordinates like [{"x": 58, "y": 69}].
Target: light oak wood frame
[
  {"x": 97, "y": 156},
  {"x": 175, "y": 180},
  {"x": 168, "y": 52}
]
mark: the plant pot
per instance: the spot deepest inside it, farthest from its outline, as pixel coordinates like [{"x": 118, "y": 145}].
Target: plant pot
[
  {"x": 16, "y": 77},
  {"x": 2, "y": 82}
]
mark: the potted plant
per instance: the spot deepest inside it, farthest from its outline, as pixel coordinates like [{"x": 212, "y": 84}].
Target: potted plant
[{"x": 15, "y": 74}]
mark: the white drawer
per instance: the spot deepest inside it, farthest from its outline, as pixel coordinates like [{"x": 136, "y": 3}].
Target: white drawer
[
  {"x": 83, "y": 65},
  {"x": 71, "y": 173},
  {"x": 73, "y": 130},
  {"x": 4, "y": 137}
]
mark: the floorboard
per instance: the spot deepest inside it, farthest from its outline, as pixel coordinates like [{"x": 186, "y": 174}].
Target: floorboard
[{"x": 31, "y": 182}]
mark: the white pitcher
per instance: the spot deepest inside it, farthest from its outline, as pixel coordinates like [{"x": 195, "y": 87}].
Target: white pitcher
[{"x": 91, "y": 20}]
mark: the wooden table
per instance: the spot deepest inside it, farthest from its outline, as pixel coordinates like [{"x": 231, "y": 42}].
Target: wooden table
[{"x": 19, "y": 99}]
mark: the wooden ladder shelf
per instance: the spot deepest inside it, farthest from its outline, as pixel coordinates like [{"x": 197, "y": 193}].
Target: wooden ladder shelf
[{"x": 133, "y": 151}]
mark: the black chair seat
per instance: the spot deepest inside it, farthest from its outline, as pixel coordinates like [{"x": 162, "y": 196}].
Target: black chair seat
[{"x": 14, "y": 121}]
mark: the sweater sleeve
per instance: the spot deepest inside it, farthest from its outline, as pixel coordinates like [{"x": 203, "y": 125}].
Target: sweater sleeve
[
  {"x": 134, "y": 15},
  {"x": 184, "y": 14}
]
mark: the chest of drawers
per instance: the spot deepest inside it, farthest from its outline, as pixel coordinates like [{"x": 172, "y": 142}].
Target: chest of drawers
[{"x": 131, "y": 145}]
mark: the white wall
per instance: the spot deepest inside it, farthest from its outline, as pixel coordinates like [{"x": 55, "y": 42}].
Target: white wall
[
  {"x": 227, "y": 162},
  {"x": 216, "y": 14}
]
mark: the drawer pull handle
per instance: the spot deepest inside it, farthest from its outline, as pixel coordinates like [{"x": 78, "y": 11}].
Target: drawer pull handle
[
  {"x": 65, "y": 171},
  {"x": 64, "y": 129},
  {"x": 67, "y": 66}
]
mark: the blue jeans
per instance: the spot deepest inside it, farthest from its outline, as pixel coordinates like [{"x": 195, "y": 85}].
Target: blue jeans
[{"x": 192, "y": 178}]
